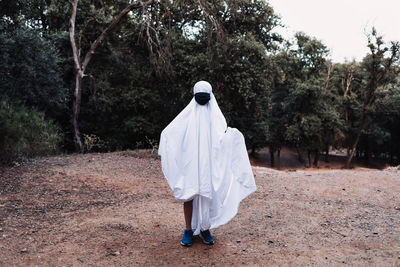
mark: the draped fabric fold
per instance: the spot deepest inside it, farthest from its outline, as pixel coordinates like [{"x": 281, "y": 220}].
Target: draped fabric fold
[{"x": 204, "y": 160}]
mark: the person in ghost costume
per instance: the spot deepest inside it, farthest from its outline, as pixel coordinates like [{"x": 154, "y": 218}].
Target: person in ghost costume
[{"x": 206, "y": 165}]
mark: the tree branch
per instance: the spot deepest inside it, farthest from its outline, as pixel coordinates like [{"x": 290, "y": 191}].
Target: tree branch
[
  {"x": 220, "y": 30},
  {"x": 101, "y": 37}
]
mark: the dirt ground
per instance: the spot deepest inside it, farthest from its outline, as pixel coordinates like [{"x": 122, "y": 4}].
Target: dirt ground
[{"x": 116, "y": 209}]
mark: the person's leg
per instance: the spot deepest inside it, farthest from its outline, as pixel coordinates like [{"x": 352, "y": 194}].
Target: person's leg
[
  {"x": 188, "y": 234},
  {"x": 188, "y": 211},
  {"x": 204, "y": 210}
]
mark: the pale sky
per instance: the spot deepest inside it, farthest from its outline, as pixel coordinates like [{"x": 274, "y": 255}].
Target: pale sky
[{"x": 340, "y": 24}]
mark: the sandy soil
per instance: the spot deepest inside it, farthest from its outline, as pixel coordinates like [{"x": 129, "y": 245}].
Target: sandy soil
[{"x": 117, "y": 209}]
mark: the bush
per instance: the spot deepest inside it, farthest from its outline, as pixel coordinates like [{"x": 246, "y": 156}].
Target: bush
[
  {"x": 26, "y": 132},
  {"x": 30, "y": 72}
]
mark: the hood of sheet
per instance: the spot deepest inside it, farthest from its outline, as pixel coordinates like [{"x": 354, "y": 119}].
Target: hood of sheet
[{"x": 204, "y": 160}]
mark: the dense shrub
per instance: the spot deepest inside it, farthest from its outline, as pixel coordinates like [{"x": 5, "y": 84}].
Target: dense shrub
[
  {"x": 29, "y": 71},
  {"x": 25, "y": 132}
]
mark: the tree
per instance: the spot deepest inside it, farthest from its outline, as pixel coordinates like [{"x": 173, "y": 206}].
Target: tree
[
  {"x": 81, "y": 64},
  {"x": 309, "y": 103},
  {"x": 377, "y": 67},
  {"x": 30, "y": 73},
  {"x": 241, "y": 68},
  {"x": 386, "y": 117},
  {"x": 313, "y": 119},
  {"x": 283, "y": 64}
]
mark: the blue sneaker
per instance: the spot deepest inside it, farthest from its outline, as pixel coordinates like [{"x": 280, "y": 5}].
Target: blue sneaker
[
  {"x": 207, "y": 237},
  {"x": 187, "y": 238}
]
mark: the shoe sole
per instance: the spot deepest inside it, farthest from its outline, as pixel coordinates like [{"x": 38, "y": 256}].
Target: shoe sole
[
  {"x": 186, "y": 245},
  {"x": 205, "y": 242}
]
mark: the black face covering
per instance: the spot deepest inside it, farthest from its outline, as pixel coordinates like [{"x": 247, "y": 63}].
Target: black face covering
[{"x": 202, "y": 98}]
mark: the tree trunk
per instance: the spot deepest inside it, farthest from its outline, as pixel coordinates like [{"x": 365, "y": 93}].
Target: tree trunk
[
  {"x": 253, "y": 151},
  {"x": 80, "y": 66},
  {"x": 78, "y": 78},
  {"x": 299, "y": 156},
  {"x": 75, "y": 112},
  {"x": 327, "y": 154},
  {"x": 391, "y": 156},
  {"x": 367, "y": 155},
  {"x": 279, "y": 159},
  {"x": 353, "y": 148},
  {"x": 272, "y": 159},
  {"x": 316, "y": 159},
  {"x": 309, "y": 159}
]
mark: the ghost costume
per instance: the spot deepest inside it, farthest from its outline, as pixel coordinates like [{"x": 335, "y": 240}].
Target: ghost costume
[{"x": 205, "y": 161}]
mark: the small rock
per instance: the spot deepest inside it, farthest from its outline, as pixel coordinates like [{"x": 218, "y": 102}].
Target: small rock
[
  {"x": 375, "y": 233},
  {"x": 270, "y": 241},
  {"x": 183, "y": 259},
  {"x": 244, "y": 249},
  {"x": 396, "y": 208},
  {"x": 251, "y": 233},
  {"x": 115, "y": 253},
  {"x": 268, "y": 215},
  {"x": 237, "y": 241},
  {"x": 24, "y": 250},
  {"x": 344, "y": 189}
]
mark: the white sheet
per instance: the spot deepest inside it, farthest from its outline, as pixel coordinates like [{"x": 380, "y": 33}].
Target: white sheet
[{"x": 204, "y": 160}]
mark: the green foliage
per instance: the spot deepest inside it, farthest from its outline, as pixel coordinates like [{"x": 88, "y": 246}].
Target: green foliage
[
  {"x": 120, "y": 93},
  {"x": 304, "y": 104},
  {"x": 124, "y": 100},
  {"x": 277, "y": 92},
  {"x": 371, "y": 80},
  {"x": 310, "y": 54},
  {"x": 242, "y": 17},
  {"x": 238, "y": 64},
  {"x": 242, "y": 75},
  {"x": 29, "y": 71},
  {"x": 26, "y": 132},
  {"x": 384, "y": 133},
  {"x": 313, "y": 115}
]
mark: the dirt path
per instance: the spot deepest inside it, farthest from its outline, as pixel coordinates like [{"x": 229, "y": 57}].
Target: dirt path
[{"x": 116, "y": 209}]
